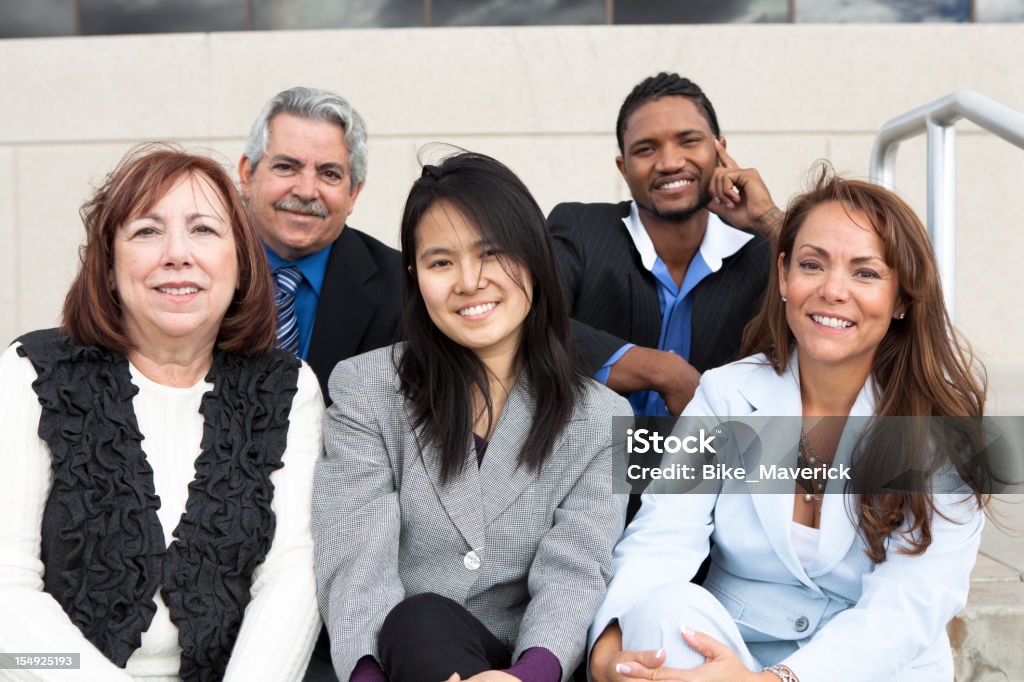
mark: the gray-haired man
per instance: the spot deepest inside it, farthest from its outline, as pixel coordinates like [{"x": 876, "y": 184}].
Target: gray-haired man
[
  {"x": 339, "y": 290},
  {"x": 303, "y": 167}
]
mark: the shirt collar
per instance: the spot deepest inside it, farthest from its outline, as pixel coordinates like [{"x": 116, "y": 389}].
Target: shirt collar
[
  {"x": 720, "y": 240},
  {"x": 312, "y": 266}
]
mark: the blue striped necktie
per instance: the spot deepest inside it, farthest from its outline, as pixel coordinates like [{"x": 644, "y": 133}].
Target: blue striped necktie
[{"x": 287, "y": 280}]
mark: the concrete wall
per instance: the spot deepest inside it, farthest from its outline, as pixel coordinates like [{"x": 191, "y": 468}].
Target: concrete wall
[{"x": 543, "y": 100}]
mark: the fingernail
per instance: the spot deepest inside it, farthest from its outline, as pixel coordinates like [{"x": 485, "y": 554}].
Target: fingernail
[
  {"x": 622, "y": 668},
  {"x": 687, "y": 631},
  {"x": 661, "y": 652}
]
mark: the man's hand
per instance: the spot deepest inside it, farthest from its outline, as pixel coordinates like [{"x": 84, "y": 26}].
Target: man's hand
[
  {"x": 740, "y": 197},
  {"x": 649, "y": 369}
]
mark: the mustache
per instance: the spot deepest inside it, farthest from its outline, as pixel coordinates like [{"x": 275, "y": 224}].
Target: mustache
[{"x": 312, "y": 207}]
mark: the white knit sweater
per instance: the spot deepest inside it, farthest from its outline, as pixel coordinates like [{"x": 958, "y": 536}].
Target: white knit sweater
[{"x": 280, "y": 623}]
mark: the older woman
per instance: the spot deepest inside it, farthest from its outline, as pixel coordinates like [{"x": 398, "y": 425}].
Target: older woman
[
  {"x": 158, "y": 453},
  {"x": 806, "y": 585}
]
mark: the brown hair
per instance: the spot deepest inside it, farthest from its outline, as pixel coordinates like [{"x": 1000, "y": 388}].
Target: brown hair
[
  {"x": 922, "y": 367},
  {"x": 92, "y": 309}
]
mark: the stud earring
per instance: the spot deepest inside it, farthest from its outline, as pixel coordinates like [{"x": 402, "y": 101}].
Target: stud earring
[
  {"x": 783, "y": 299},
  {"x": 901, "y": 316}
]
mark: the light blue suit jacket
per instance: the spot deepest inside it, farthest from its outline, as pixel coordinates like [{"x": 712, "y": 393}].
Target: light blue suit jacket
[{"x": 841, "y": 618}]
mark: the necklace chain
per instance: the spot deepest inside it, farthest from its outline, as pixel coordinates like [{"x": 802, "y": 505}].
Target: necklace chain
[{"x": 807, "y": 458}]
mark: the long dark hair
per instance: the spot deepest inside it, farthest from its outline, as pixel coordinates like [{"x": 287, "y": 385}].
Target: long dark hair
[
  {"x": 922, "y": 368},
  {"x": 437, "y": 374}
]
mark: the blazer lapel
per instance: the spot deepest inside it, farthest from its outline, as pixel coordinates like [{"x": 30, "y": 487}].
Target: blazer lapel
[
  {"x": 644, "y": 307},
  {"x": 645, "y": 311},
  {"x": 709, "y": 312},
  {"x": 838, "y": 532},
  {"x": 460, "y": 496},
  {"x": 778, "y": 396},
  {"x": 500, "y": 474},
  {"x": 342, "y": 312}
]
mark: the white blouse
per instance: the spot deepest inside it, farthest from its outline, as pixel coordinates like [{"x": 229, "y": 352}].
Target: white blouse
[
  {"x": 805, "y": 543},
  {"x": 281, "y": 622}
]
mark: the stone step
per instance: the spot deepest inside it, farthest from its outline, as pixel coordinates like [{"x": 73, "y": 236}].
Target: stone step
[{"x": 988, "y": 635}]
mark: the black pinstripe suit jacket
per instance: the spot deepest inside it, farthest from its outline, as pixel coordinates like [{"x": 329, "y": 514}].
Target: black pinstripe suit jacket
[{"x": 613, "y": 299}]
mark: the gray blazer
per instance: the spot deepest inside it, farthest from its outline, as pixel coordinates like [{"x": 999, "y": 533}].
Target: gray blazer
[{"x": 385, "y": 528}]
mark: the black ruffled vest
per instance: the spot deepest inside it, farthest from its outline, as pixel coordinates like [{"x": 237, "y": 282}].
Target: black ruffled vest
[{"x": 103, "y": 546}]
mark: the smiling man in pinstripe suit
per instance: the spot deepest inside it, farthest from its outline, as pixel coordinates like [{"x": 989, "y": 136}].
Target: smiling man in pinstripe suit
[{"x": 661, "y": 287}]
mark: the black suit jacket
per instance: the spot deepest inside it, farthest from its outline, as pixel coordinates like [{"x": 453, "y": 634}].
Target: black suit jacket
[
  {"x": 613, "y": 299},
  {"x": 360, "y": 302}
]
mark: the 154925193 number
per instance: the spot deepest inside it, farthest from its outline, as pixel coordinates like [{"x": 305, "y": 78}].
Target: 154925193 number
[{"x": 38, "y": 661}]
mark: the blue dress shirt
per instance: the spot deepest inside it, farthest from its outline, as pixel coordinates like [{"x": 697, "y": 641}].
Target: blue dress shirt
[{"x": 720, "y": 241}]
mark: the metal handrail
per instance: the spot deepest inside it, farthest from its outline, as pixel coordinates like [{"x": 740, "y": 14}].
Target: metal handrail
[{"x": 937, "y": 119}]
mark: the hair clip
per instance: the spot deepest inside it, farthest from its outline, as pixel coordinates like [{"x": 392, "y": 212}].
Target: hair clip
[{"x": 430, "y": 170}]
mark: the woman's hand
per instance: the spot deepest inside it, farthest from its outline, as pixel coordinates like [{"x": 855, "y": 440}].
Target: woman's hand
[
  {"x": 639, "y": 665},
  {"x": 609, "y": 663},
  {"x": 486, "y": 676},
  {"x": 721, "y": 664}
]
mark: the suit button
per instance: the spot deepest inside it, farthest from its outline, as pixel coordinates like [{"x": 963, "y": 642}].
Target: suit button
[
  {"x": 472, "y": 560},
  {"x": 800, "y": 624}
]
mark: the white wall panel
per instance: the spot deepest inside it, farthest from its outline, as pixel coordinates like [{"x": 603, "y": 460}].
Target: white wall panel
[{"x": 542, "y": 99}]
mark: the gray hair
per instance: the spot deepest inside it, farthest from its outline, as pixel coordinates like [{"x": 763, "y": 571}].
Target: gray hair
[{"x": 317, "y": 105}]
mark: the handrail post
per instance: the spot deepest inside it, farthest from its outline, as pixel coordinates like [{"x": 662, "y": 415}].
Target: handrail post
[
  {"x": 883, "y": 164},
  {"x": 942, "y": 204},
  {"x": 938, "y": 119}
]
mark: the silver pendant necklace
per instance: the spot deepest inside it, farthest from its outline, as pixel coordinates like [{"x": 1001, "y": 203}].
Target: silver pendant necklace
[{"x": 807, "y": 459}]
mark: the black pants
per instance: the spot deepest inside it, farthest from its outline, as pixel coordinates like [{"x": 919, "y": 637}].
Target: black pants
[
  {"x": 428, "y": 637},
  {"x": 320, "y": 668}
]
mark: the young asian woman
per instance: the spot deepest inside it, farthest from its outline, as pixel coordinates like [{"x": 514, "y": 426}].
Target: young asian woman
[{"x": 464, "y": 514}]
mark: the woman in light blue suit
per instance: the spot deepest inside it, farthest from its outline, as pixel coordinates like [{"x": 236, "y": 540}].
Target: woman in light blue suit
[
  {"x": 813, "y": 586},
  {"x": 463, "y": 515}
]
